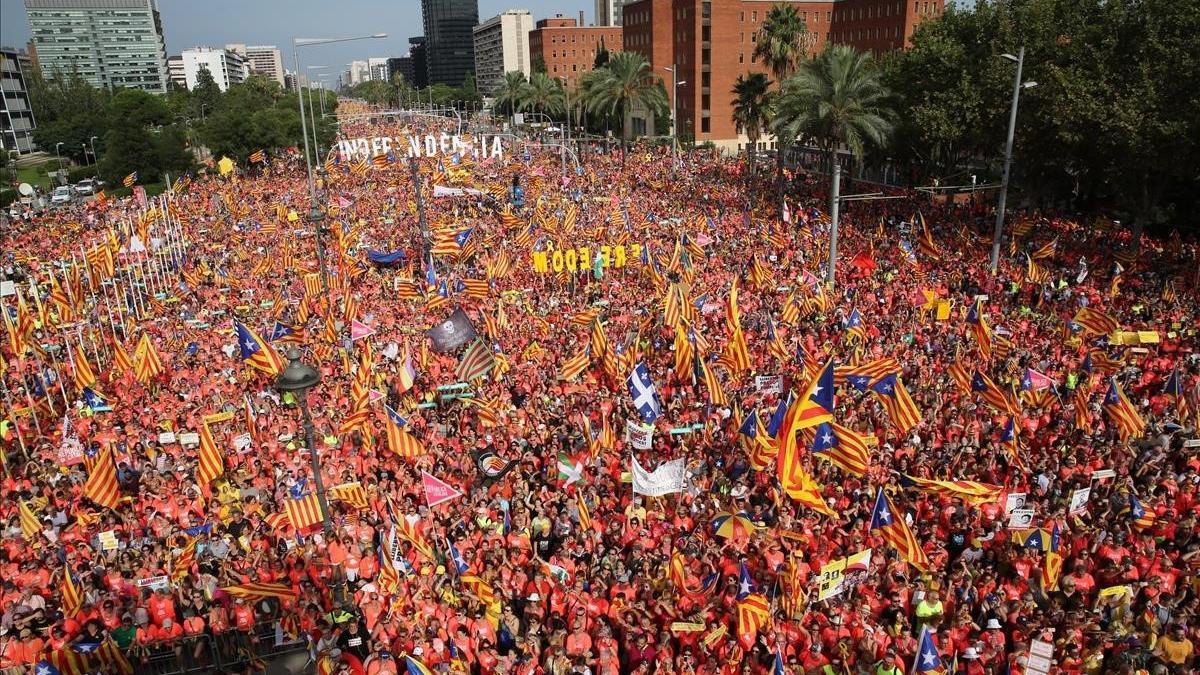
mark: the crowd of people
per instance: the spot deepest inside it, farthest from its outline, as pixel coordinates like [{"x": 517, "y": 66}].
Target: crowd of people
[{"x": 486, "y": 515}]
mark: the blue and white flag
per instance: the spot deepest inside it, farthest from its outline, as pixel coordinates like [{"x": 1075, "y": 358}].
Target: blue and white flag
[{"x": 645, "y": 397}]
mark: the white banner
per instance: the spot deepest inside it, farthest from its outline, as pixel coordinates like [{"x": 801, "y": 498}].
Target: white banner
[
  {"x": 769, "y": 384},
  {"x": 664, "y": 480},
  {"x": 1016, "y": 500},
  {"x": 640, "y": 436},
  {"x": 443, "y": 191}
]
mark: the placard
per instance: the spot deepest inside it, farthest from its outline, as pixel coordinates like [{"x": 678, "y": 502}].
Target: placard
[
  {"x": 1015, "y": 500},
  {"x": 155, "y": 583},
  {"x": 1192, "y": 443},
  {"x": 166, "y": 438},
  {"x": 768, "y": 384},
  {"x": 108, "y": 540},
  {"x": 1041, "y": 657},
  {"x": 640, "y": 436},
  {"x": 716, "y": 635},
  {"x": 242, "y": 442},
  {"x": 1020, "y": 518},
  {"x": 837, "y": 575},
  {"x": 1101, "y": 474},
  {"x": 7, "y": 288},
  {"x": 687, "y": 627},
  {"x": 189, "y": 438},
  {"x": 70, "y": 454},
  {"x": 1079, "y": 500},
  {"x": 218, "y": 417}
]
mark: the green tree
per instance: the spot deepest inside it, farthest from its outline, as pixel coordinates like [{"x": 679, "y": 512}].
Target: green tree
[
  {"x": 625, "y": 82},
  {"x": 375, "y": 92},
  {"x": 782, "y": 42},
  {"x": 602, "y": 56},
  {"x": 510, "y": 95},
  {"x": 837, "y": 99},
  {"x": 544, "y": 94},
  {"x": 205, "y": 95},
  {"x": 68, "y": 110},
  {"x": 752, "y": 109}
]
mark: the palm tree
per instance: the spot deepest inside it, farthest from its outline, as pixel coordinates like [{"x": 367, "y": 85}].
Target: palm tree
[
  {"x": 751, "y": 109},
  {"x": 544, "y": 94},
  {"x": 625, "y": 82},
  {"x": 782, "y": 42},
  {"x": 510, "y": 96},
  {"x": 837, "y": 99}
]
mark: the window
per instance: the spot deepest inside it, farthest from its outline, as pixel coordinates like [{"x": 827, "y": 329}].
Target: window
[
  {"x": 704, "y": 125},
  {"x": 754, "y": 16},
  {"x": 741, "y": 58}
]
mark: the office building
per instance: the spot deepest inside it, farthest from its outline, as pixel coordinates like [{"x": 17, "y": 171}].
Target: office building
[
  {"x": 110, "y": 43},
  {"x": 16, "y": 114},
  {"x": 226, "y": 67},
  {"x": 175, "y": 74},
  {"x": 608, "y": 12},
  {"x": 377, "y": 68},
  {"x": 420, "y": 61},
  {"x": 712, "y": 43},
  {"x": 360, "y": 71},
  {"x": 449, "y": 43},
  {"x": 502, "y": 46},
  {"x": 264, "y": 60},
  {"x": 402, "y": 67},
  {"x": 567, "y": 49}
]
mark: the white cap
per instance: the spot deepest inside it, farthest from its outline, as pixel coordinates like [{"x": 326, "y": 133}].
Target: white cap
[
  {"x": 417, "y": 651},
  {"x": 970, "y": 654},
  {"x": 993, "y": 624}
]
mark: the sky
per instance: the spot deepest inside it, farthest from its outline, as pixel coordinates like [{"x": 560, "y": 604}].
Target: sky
[{"x": 215, "y": 23}]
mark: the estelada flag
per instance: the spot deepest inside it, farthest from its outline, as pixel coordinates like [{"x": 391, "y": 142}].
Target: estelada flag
[
  {"x": 437, "y": 490},
  {"x": 101, "y": 486},
  {"x": 258, "y": 156}
]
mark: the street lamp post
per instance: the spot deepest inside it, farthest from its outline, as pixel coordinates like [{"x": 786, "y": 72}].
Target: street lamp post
[
  {"x": 1018, "y": 85},
  {"x": 92, "y": 142},
  {"x": 298, "y": 378},
  {"x": 85, "y": 155},
  {"x": 311, "y": 117},
  {"x": 59, "y": 155},
  {"x": 315, "y": 215},
  {"x": 674, "y": 71},
  {"x": 567, "y": 96}
]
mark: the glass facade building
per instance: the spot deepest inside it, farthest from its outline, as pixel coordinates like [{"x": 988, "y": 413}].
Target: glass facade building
[{"x": 110, "y": 43}]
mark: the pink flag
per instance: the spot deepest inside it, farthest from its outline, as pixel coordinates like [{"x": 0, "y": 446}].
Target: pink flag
[
  {"x": 1039, "y": 381},
  {"x": 374, "y": 395},
  {"x": 437, "y": 490},
  {"x": 787, "y": 213},
  {"x": 359, "y": 330}
]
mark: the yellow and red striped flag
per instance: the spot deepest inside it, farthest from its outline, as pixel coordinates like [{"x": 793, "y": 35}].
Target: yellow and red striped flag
[
  {"x": 891, "y": 393},
  {"x": 304, "y": 512},
  {"x": 1124, "y": 415},
  {"x": 101, "y": 486},
  {"x": 212, "y": 459},
  {"x": 400, "y": 442},
  {"x": 72, "y": 597},
  {"x": 31, "y": 527},
  {"x": 146, "y": 361},
  {"x": 181, "y": 566},
  {"x": 350, "y": 493},
  {"x": 1096, "y": 322},
  {"x": 257, "y": 590},
  {"x": 889, "y": 524}
]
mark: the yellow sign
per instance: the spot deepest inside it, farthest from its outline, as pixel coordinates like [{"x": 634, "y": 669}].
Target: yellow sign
[
  {"x": 715, "y": 635},
  {"x": 1134, "y": 338},
  {"x": 943, "y": 310},
  {"x": 687, "y": 627},
  {"x": 218, "y": 417},
  {"x": 581, "y": 258},
  {"x": 833, "y": 578},
  {"x": 225, "y": 166},
  {"x": 1115, "y": 590}
]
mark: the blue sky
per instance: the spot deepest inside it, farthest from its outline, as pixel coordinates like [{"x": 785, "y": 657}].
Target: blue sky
[{"x": 187, "y": 23}]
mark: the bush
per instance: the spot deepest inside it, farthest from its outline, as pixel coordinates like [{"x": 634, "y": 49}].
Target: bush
[
  {"x": 78, "y": 173},
  {"x": 7, "y": 197}
]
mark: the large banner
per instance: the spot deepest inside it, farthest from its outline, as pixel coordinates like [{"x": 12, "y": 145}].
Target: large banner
[
  {"x": 481, "y": 147},
  {"x": 664, "y": 480}
]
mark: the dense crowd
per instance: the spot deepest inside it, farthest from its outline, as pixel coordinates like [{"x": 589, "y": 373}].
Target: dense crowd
[{"x": 548, "y": 561}]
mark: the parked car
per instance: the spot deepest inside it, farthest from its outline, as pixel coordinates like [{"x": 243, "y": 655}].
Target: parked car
[
  {"x": 64, "y": 194},
  {"x": 87, "y": 186}
]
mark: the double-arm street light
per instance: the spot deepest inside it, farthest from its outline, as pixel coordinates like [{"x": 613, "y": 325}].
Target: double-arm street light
[
  {"x": 315, "y": 216},
  {"x": 1018, "y": 85},
  {"x": 59, "y": 155},
  {"x": 298, "y": 378}
]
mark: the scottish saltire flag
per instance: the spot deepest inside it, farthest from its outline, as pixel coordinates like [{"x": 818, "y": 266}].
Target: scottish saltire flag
[{"x": 645, "y": 396}]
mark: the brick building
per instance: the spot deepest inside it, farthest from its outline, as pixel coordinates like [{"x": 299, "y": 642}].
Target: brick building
[
  {"x": 712, "y": 43},
  {"x": 567, "y": 48}
]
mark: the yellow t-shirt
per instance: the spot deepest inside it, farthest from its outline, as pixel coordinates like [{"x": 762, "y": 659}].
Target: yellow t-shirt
[{"x": 1175, "y": 651}]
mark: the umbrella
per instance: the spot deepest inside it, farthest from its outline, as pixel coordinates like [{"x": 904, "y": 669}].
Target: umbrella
[{"x": 733, "y": 525}]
